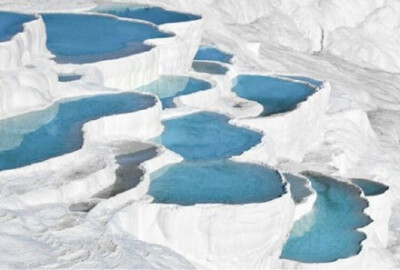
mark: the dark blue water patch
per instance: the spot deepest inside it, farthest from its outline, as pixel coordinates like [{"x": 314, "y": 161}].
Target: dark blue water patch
[
  {"x": 155, "y": 15},
  {"x": 209, "y": 67},
  {"x": 329, "y": 231},
  {"x": 169, "y": 87},
  {"x": 12, "y": 23},
  {"x": 62, "y": 134},
  {"x": 298, "y": 187},
  {"x": 212, "y": 54},
  {"x": 220, "y": 181},
  {"x": 274, "y": 94},
  {"x": 82, "y": 38},
  {"x": 306, "y": 79},
  {"x": 206, "y": 135},
  {"x": 370, "y": 188},
  {"x": 69, "y": 77}
]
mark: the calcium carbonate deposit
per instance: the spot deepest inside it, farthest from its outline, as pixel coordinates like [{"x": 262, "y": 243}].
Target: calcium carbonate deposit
[{"x": 200, "y": 134}]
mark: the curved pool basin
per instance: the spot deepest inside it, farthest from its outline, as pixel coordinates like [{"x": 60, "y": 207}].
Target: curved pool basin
[
  {"x": 12, "y": 23},
  {"x": 168, "y": 87},
  {"x": 57, "y": 130},
  {"x": 222, "y": 181},
  {"x": 209, "y": 67},
  {"x": 155, "y": 15},
  {"x": 83, "y": 38},
  {"x": 329, "y": 231},
  {"x": 370, "y": 188},
  {"x": 206, "y": 135},
  {"x": 212, "y": 54},
  {"x": 274, "y": 94},
  {"x": 298, "y": 187}
]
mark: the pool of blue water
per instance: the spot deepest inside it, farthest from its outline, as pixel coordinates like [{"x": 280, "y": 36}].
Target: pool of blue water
[
  {"x": 328, "y": 232},
  {"x": 69, "y": 77},
  {"x": 370, "y": 188},
  {"x": 221, "y": 181},
  {"x": 12, "y": 23},
  {"x": 212, "y": 54},
  {"x": 206, "y": 135},
  {"x": 155, "y": 15},
  {"x": 57, "y": 130},
  {"x": 209, "y": 67},
  {"x": 169, "y": 87},
  {"x": 82, "y": 38},
  {"x": 274, "y": 94},
  {"x": 298, "y": 187}
]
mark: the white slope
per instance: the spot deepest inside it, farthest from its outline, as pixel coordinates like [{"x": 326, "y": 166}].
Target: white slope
[{"x": 353, "y": 44}]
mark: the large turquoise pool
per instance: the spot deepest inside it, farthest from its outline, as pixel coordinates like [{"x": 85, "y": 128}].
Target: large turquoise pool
[
  {"x": 274, "y": 94},
  {"x": 329, "y": 231},
  {"x": 206, "y": 135},
  {"x": 221, "y": 181},
  {"x": 55, "y": 131},
  {"x": 83, "y": 38}
]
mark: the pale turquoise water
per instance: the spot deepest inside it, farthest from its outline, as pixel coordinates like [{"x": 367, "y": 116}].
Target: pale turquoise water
[
  {"x": 275, "y": 94},
  {"x": 209, "y": 67},
  {"x": 221, "y": 181},
  {"x": 155, "y": 15},
  {"x": 12, "y": 23},
  {"x": 328, "y": 232},
  {"x": 298, "y": 187},
  {"x": 206, "y": 135},
  {"x": 212, "y": 54},
  {"x": 370, "y": 188},
  {"x": 168, "y": 87},
  {"x": 55, "y": 131},
  {"x": 81, "y": 38}
]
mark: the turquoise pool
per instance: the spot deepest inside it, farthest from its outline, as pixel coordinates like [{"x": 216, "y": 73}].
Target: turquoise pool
[
  {"x": 329, "y": 231},
  {"x": 55, "y": 131},
  {"x": 221, "y": 181},
  {"x": 206, "y": 135},
  {"x": 274, "y": 94},
  {"x": 82, "y": 38}
]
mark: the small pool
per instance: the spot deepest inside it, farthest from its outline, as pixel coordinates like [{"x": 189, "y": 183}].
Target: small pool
[
  {"x": 209, "y": 67},
  {"x": 169, "y": 87},
  {"x": 155, "y": 15},
  {"x": 274, "y": 94},
  {"x": 212, "y": 54},
  {"x": 221, "y": 181},
  {"x": 298, "y": 187},
  {"x": 69, "y": 77},
  {"x": 206, "y": 135},
  {"x": 328, "y": 232},
  {"x": 82, "y": 38},
  {"x": 12, "y": 23},
  {"x": 57, "y": 130},
  {"x": 370, "y": 188}
]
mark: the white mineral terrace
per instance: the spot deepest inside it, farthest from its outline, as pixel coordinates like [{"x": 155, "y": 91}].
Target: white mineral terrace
[{"x": 51, "y": 213}]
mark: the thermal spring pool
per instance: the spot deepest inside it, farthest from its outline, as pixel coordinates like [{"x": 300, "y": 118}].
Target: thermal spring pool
[
  {"x": 55, "y": 131},
  {"x": 370, "y": 188},
  {"x": 274, "y": 94},
  {"x": 12, "y": 23},
  {"x": 82, "y": 38},
  {"x": 222, "y": 181},
  {"x": 329, "y": 231},
  {"x": 155, "y": 15},
  {"x": 209, "y": 53},
  {"x": 298, "y": 187},
  {"x": 168, "y": 87},
  {"x": 206, "y": 135}
]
